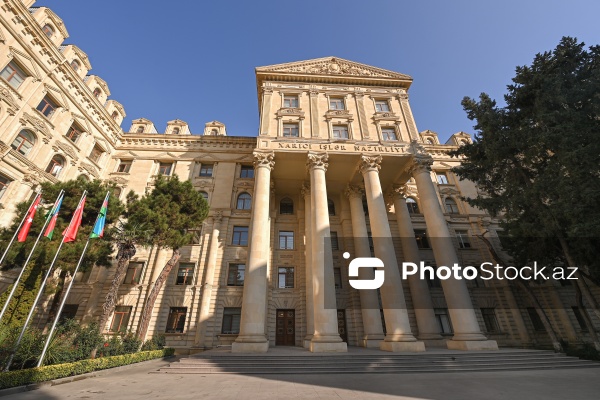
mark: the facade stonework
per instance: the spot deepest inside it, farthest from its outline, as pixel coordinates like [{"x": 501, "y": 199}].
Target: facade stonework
[{"x": 337, "y": 166}]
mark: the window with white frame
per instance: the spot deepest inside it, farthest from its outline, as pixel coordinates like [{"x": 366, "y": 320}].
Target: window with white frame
[
  {"x": 185, "y": 273},
  {"x": 388, "y": 133},
  {"x": 286, "y": 240},
  {"x": 291, "y": 130},
  {"x": 290, "y": 101},
  {"x": 463, "y": 239},
  {"x": 382, "y": 106},
  {"x": 339, "y": 131},
  {"x": 285, "y": 277},
  {"x": 442, "y": 178},
  {"x": 336, "y": 103}
]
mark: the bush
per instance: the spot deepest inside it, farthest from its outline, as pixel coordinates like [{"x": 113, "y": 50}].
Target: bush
[
  {"x": 586, "y": 351},
  {"x": 157, "y": 342},
  {"x": 50, "y": 372}
]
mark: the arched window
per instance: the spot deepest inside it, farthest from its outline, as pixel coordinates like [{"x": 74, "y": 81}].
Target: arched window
[
  {"x": 244, "y": 201},
  {"x": 451, "y": 206},
  {"x": 463, "y": 142},
  {"x": 413, "y": 207},
  {"x": 175, "y": 131},
  {"x": 331, "y": 207},
  {"x": 204, "y": 195},
  {"x": 115, "y": 115},
  {"x": 56, "y": 165},
  {"x": 214, "y": 132},
  {"x": 24, "y": 142},
  {"x": 97, "y": 92},
  {"x": 286, "y": 206},
  {"x": 140, "y": 129},
  {"x": 430, "y": 141},
  {"x": 48, "y": 30},
  {"x": 75, "y": 65}
]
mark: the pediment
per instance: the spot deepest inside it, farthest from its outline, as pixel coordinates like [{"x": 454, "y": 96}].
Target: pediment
[
  {"x": 141, "y": 121},
  {"x": 214, "y": 123}
]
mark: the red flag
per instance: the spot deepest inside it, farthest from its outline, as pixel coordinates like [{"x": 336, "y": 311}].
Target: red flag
[
  {"x": 29, "y": 219},
  {"x": 71, "y": 232}
]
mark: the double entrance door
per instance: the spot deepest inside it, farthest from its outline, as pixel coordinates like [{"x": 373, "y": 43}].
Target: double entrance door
[{"x": 285, "y": 333}]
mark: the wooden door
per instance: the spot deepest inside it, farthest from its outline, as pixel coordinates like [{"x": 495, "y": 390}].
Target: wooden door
[
  {"x": 341, "y": 317},
  {"x": 286, "y": 328}
]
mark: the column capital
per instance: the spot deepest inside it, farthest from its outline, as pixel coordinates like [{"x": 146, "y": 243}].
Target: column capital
[
  {"x": 305, "y": 189},
  {"x": 264, "y": 159},
  {"x": 317, "y": 161},
  {"x": 30, "y": 180},
  {"x": 421, "y": 163},
  {"x": 368, "y": 163},
  {"x": 403, "y": 191},
  {"x": 353, "y": 191}
]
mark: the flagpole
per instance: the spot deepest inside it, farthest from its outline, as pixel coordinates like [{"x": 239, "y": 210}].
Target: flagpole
[
  {"x": 16, "y": 283},
  {"x": 37, "y": 298},
  {"x": 18, "y": 229}
]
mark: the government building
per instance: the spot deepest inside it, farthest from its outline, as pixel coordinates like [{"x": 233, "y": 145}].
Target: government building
[{"x": 337, "y": 166}]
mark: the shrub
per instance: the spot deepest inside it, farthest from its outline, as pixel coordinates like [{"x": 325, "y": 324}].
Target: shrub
[{"x": 157, "y": 342}]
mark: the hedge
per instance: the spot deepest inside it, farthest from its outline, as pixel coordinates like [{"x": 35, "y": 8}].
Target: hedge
[{"x": 57, "y": 371}]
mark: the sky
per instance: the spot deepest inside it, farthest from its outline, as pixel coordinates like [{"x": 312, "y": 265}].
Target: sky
[{"x": 194, "y": 60}]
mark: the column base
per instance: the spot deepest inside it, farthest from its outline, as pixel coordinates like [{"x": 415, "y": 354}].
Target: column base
[
  {"x": 472, "y": 345},
  {"x": 413, "y": 347},
  {"x": 371, "y": 343},
  {"x": 246, "y": 347},
  {"x": 328, "y": 347},
  {"x": 429, "y": 336},
  {"x": 435, "y": 343}
]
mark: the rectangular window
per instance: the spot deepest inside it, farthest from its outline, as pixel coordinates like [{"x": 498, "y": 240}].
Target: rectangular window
[
  {"x": 206, "y": 170},
  {"x": 463, "y": 239},
  {"x": 336, "y": 103},
  {"x": 240, "y": 236},
  {"x": 165, "y": 168},
  {"x": 580, "y": 318},
  {"x": 120, "y": 319},
  {"x": 290, "y": 101},
  {"x": 235, "y": 275},
  {"x": 4, "y": 182},
  {"x": 340, "y": 131},
  {"x": 124, "y": 167},
  {"x": 134, "y": 273},
  {"x": 441, "y": 314},
  {"x": 176, "y": 321},
  {"x": 337, "y": 277},
  {"x": 13, "y": 74},
  {"x": 421, "y": 238},
  {"x": 247, "y": 171},
  {"x": 96, "y": 153},
  {"x": 382, "y": 106},
  {"x": 47, "y": 107},
  {"x": 442, "y": 178},
  {"x": 185, "y": 274},
  {"x": 388, "y": 134},
  {"x": 285, "y": 278},
  {"x": 489, "y": 319},
  {"x": 435, "y": 282},
  {"x": 334, "y": 241},
  {"x": 69, "y": 311},
  {"x": 286, "y": 240},
  {"x": 73, "y": 134},
  {"x": 291, "y": 130},
  {"x": 231, "y": 320},
  {"x": 536, "y": 321}
]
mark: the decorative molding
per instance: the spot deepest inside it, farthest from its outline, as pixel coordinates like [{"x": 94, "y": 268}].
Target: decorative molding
[
  {"x": 67, "y": 149},
  {"x": 264, "y": 159},
  {"x": 305, "y": 189},
  {"x": 89, "y": 168},
  {"x": 449, "y": 191},
  {"x": 368, "y": 163},
  {"x": 386, "y": 116},
  {"x": 38, "y": 124},
  {"x": 330, "y": 114},
  {"x": 405, "y": 191},
  {"x": 6, "y": 96},
  {"x": 317, "y": 161},
  {"x": 290, "y": 112}
]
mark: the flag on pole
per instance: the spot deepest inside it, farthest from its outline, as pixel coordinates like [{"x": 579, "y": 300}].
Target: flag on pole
[
  {"x": 53, "y": 217},
  {"x": 29, "y": 219},
  {"x": 98, "y": 230},
  {"x": 70, "y": 233}
]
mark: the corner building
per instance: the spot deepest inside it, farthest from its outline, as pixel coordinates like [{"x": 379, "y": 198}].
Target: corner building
[{"x": 338, "y": 166}]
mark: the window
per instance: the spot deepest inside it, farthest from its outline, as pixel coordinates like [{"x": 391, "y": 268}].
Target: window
[
  {"x": 286, "y": 240},
  {"x": 116, "y": 192},
  {"x": 580, "y": 318},
  {"x": 204, "y": 195},
  {"x": 124, "y": 166},
  {"x": 388, "y": 134},
  {"x": 244, "y": 202},
  {"x": 73, "y": 134},
  {"x": 290, "y": 101},
  {"x": 336, "y": 103},
  {"x": 214, "y": 132},
  {"x": 463, "y": 239},
  {"x": 24, "y": 142},
  {"x": 165, "y": 168},
  {"x": 285, "y": 278},
  {"x": 489, "y": 319},
  {"x": 339, "y": 131},
  {"x": 75, "y": 65},
  {"x": 291, "y": 130},
  {"x": 240, "y": 236},
  {"x": 175, "y": 131},
  {"x": 120, "y": 319},
  {"x": 69, "y": 311},
  {"x": 96, "y": 154},
  {"x": 451, "y": 206},
  {"x": 247, "y": 171},
  {"x": 365, "y": 205},
  {"x": 48, "y": 30},
  {"x": 115, "y": 115},
  {"x": 536, "y": 321},
  {"x": 445, "y": 325},
  {"x": 235, "y": 275},
  {"x": 331, "y": 207},
  {"x": 334, "y": 241},
  {"x": 382, "y": 106},
  {"x": 140, "y": 129},
  {"x": 421, "y": 238},
  {"x": 47, "y": 107},
  {"x": 286, "y": 206},
  {"x": 176, "y": 321},
  {"x": 411, "y": 204},
  {"x": 429, "y": 141},
  {"x": 13, "y": 75},
  {"x": 55, "y": 166},
  {"x": 134, "y": 273},
  {"x": 434, "y": 282},
  {"x": 442, "y": 178},
  {"x": 206, "y": 170},
  {"x": 337, "y": 277},
  {"x": 97, "y": 92},
  {"x": 231, "y": 320},
  {"x": 4, "y": 182},
  {"x": 185, "y": 274}
]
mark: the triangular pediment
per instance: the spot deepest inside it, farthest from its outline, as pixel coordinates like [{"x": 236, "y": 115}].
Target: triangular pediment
[
  {"x": 333, "y": 66},
  {"x": 141, "y": 121}
]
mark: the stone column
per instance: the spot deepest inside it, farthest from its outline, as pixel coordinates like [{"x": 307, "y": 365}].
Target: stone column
[
  {"x": 326, "y": 337},
  {"x": 252, "y": 337},
  {"x": 209, "y": 280},
  {"x": 467, "y": 334},
  {"x": 369, "y": 302},
  {"x": 398, "y": 333},
  {"x": 419, "y": 289},
  {"x": 310, "y": 325}
]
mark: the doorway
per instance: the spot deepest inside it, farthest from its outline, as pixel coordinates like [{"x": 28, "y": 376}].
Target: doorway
[{"x": 286, "y": 328}]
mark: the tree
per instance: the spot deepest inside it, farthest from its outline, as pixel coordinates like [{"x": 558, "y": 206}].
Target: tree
[
  {"x": 169, "y": 211},
  {"x": 537, "y": 162}
]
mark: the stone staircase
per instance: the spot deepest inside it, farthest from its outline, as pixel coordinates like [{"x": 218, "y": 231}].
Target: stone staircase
[{"x": 371, "y": 361}]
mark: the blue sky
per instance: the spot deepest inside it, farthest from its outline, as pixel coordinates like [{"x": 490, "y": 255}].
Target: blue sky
[{"x": 194, "y": 60}]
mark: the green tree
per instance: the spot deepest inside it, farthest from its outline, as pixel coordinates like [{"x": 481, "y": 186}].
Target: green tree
[{"x": 537, "y": 162}]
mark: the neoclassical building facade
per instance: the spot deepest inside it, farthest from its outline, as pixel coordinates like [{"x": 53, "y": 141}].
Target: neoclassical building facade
[{"x": 338, "y": 166}]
